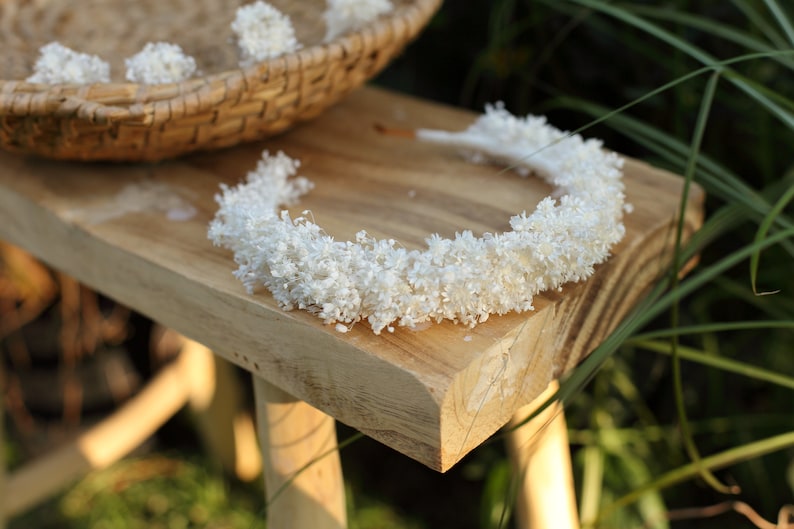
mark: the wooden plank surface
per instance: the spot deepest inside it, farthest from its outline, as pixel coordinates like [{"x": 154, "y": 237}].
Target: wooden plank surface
[{"x": 138, "y": 234}]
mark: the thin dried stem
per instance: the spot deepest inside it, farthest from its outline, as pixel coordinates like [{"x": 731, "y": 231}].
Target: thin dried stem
[
  {"x": 396, "y": 132},
  {"x": 785, "y": 514}
]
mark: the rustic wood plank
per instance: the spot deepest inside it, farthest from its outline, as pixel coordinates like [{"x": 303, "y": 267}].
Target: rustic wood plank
[{"x": 138, "y": 234}]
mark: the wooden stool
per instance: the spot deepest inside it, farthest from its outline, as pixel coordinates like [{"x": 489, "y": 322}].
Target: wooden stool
[{"x": 137, "y": 233}]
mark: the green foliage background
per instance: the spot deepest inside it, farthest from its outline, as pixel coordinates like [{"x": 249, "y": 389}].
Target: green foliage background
[{"x": 728, "y": 127}]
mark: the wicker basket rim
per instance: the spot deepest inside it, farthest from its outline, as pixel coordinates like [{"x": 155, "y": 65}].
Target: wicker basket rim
[{"x": 136, "y": 103}]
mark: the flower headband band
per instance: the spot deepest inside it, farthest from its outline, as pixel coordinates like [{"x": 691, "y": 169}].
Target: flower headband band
[{"x": 464, "y": 279}]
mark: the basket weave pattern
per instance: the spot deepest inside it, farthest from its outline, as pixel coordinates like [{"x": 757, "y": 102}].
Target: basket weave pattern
[{"x": 228, "y": 105}]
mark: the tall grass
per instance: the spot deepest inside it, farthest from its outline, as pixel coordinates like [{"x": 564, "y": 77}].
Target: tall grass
[{"x": 689, "y": 403}]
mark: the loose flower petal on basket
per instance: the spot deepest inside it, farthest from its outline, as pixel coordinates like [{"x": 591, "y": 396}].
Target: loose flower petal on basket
[
  {"x": 263, "y": 32},
  {"x": 58, "y": 64},
  {"x": 342, "y": 16},
  {"x": 160, "y": 63}
]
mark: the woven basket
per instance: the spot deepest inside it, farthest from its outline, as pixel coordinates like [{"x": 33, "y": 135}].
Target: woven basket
[{"x": 228, "y": 105}]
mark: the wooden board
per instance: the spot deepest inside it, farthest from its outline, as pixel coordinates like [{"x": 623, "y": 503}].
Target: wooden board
[{"x": 138, "y": 234}]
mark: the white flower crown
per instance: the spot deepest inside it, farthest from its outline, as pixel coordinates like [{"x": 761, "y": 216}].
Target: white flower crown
[{"x": 464, "y": 279}]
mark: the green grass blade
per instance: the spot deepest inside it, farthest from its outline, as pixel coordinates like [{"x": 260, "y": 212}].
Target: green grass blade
[
  {"x": 715, "y": 327},
  {"x": 579, "y": 377},
  {"x": 707, "y": 25},
  {"x": 772, "y": 101},
  {"x": 498, "y": 495},
  {"x": 781, "y": 18},
  {"x": 651, "y": 505},
  {"x": 658, "y": 433},
  {"x": 716, "y": 66},
  {"x": 717, "y": 180},
  {"x": 758, "y": 21},
  {"x": 709, "y": 273},
  {"x": 782, "y": 308},
  {"x": 645, "y": 312},
  {"x": 661, "y": 34},
  {"x": 722, "y": 363},
  {"x": 763, "y": 229},
  {"x": 592, "y": 482},
  {"x": 693, "y": 51},
  {"x": 350, "y": 440},
  {"x": 678, "y": 389},
  {"x": 714, "y": 462},
  {"x": 718, "y": 224},
  {"x": 728, "y": 186}
]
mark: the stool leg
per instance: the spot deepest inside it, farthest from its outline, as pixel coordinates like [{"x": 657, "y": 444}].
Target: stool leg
[
  {"x": 217, "y": 402},
  {"x": 541, "y": 459},
  {"x": 102, "y": 444},
  {"x": 303, "y": 473}
]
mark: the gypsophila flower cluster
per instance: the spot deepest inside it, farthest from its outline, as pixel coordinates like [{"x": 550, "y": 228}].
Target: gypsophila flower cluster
[
  {"x": 464, "y": 279},
  {"x": 160, "y": 63},
  {"x": 58, "y": 64},
  {"x": 263, "y": 32},
  {"x": 342, "y": 16}
]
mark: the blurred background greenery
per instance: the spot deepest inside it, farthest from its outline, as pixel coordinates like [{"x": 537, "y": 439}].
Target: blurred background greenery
[{"x": 721, "y": 387}]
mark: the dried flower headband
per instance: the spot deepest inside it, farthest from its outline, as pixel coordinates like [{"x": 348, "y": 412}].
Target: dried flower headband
[{"x": 464, "y": 279}]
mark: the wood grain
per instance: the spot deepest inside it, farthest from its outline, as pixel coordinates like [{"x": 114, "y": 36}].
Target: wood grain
[{"x": 138, "y": 233}]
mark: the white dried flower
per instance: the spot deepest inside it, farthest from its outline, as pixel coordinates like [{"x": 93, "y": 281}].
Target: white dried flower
[
  {"x": 58, "y": 64},
  {"x": 342, "y": 16},
  {"x": 266, "y": 188},
  {"x": 160, "y": 63},
  {"x": 263, "y": 32},
  {"x": 464, "y": 279}
]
